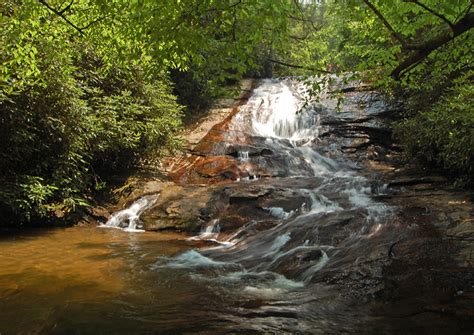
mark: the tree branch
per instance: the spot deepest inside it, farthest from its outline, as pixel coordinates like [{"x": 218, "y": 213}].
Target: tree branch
[
  {"x": 303, "y": 19},
  {"x": 463, "y": 25},
  {"x": 213, "y": 9},
  {"x": 94, "y": 22},
  {"x": 395, "y": 35},
  {"x": 465, "y": 11},
  {"x": 442, "y": 17},
  {"x": 67, "y": 7},
  {"x": 61, "y": 15},
  {"x": 297, "y": 66}
]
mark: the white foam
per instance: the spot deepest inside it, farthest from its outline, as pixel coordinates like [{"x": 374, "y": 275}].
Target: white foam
[
  {"x": 277, "y": 111},
  {"x": 275, "y": 287},
  {"x": 279, "y": 242},
  {"x": 279, "y": 212},
  {"x": 322, "y": 204},
  {"x": 359, "y": 198},
  {"x": 209, "y": 232},
  {"x": 192, "y": 259},
  {"x": 127, "y": 219},
  {"x": 308, "y": 274},
  {"x": 262, "y": 284},
  {"x": 243, "y": 156}
]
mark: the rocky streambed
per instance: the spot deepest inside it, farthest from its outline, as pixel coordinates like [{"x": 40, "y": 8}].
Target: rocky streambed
[{"x": 308, "y": 210}]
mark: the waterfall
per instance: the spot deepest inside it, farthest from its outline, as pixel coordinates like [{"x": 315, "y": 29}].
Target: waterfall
[
  {"x": 276, "y": 120},
  {"x": 243, "y": 156},
  {"x": 278, "y": 111},
  {"x": 128, "y": 219}
]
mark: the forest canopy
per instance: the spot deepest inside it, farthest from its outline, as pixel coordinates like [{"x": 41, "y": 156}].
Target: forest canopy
[{"x": 92, "y": 87}]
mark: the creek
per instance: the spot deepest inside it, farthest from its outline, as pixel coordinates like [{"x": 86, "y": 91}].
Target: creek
[{"x": 292, "y": 236}]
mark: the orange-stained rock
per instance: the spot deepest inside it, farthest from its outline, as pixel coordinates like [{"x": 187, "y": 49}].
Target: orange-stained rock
[
  {"x": 207, "y": 170},
  {"x": 209, "y": 162}
]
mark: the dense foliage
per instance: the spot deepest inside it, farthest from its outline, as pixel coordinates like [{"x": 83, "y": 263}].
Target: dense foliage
[
  {"x": 442, "y": 132},
  {"x": 68, "y": 116},
  {"x": 86, "y": 87}
]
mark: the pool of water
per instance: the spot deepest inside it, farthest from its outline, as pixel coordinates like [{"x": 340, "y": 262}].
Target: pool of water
[{"x": 89, "y": 280}]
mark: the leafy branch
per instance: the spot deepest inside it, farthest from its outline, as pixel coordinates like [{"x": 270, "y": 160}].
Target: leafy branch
[
  {"x": 397, "y": 36},
  {"x": 426, "y": 48},
  {"x": 419, "y": 51},
  {"x": 61, "y": 14},
  {"x": 442, "y": 17}
]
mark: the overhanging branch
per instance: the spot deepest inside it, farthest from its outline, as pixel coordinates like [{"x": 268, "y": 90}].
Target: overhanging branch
[
  {"x": 394, "y": 34},
  {"x": 61, "y": 12},
  {"x": 61, "y": 15},
  {"x": 425, "y": 7},
  {"x": 463, "y": 25},
  {"x": 67, "y": 7},
  {"x": 419, "y": 51}
]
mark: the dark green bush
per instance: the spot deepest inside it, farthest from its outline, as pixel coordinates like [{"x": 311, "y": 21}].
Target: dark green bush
[
  {"x": 60, "y": 136},
  {"x": 443, "y": 133}
]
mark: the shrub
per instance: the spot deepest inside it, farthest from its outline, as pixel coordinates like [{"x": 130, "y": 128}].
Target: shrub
[
  {"x": 443, "y": 133},
  {"x": 61, "y": 134}
]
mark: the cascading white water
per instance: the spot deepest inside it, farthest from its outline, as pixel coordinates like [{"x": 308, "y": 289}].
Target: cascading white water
[
  {"x": 276, "y": 113},
  {"x": 128, "y": 219},
  {"x": 243, "y": 156},
  {"x": 209, "y": 231},
  {"x": 277, "y": 110}
]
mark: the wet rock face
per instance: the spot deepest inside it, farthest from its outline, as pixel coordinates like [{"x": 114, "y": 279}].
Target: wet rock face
[
  {"x": 208, "y": 170},
  {"x": 179, "y": 208},
  {"x": 189, "y": 207},
  {"x": 259, "y": 202},
  {"x": 298, "y": 262},
  {"x": 305, "y": 202},
  {"x": 251, "y": 150}
]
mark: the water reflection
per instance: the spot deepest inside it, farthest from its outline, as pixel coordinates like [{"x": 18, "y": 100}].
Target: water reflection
[{"x": 45, "y": 276}]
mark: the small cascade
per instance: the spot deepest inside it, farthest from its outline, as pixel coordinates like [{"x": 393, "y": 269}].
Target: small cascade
[
  {"x": 279, "y": 212},
  {"x": 128, "y": 219},
  {"x": 321, "y": 204},
  {"x": 278, "y": 111},
  {"x": 308, "y": 274},
  {"x": 248, "y": 178},
  {"x": 208, "y": 232},
  {"x": 243, "y": 156}
]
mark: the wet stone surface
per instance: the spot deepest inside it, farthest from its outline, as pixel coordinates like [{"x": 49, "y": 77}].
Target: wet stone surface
[{"x": 315, "y": 196}]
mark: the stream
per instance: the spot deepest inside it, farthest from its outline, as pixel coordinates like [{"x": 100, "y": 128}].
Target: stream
[{"x": 291, "y": 236}]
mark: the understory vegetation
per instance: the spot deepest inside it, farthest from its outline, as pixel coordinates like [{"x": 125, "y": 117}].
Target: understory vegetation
[{"x": 90, "y": 88}]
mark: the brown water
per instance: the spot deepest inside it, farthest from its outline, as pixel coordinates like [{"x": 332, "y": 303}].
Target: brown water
[
  {"x": 85, "y": 279},
  {"x": 88, "y": 280}
]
